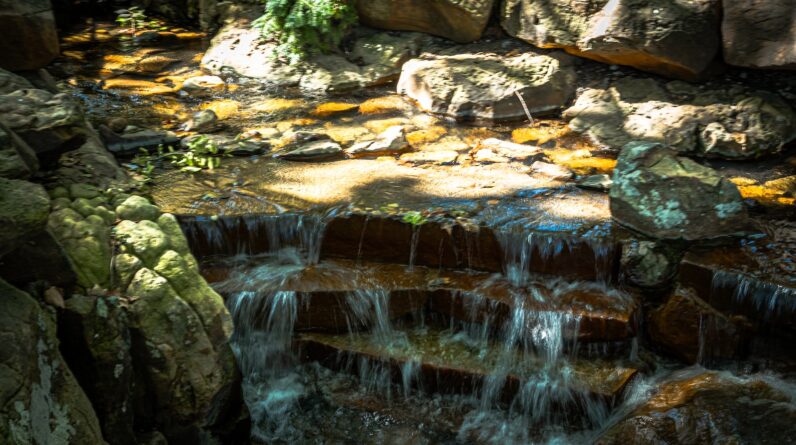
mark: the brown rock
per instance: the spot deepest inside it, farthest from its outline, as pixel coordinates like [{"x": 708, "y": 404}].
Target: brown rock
[
  {"x": 760, "y": 33},
  {"x": 30, "y": 39},
  {"x": 458, "y": 20}
]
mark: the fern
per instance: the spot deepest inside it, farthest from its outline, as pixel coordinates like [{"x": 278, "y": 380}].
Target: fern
[{"x": 305, "y": 27}]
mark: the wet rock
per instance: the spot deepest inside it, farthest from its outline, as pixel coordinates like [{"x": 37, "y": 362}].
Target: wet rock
[
  {"x": 759, "y": 33},
  {"x": 652, "y": 36},
  {"x": 483, "y": 86},
  {"x": 132, "y": 139},
  {"x": 91, "y": 162},
  {"x": 42, "y": 400},
  {"x": 648, "y": 264},
  {"x": 322, "y": 150},
  {"x": 24, "y": 208},
  {"x": 721, "y": 122},
  {"x": 137, "y": 208},
  {"x": 552, "y": 171},
  {"x": 10, "y": 82},
  {"x": 442, "y": 157},
  {"x": 375, "y": 59},
  {"x": 50, "y": 124},
  {"x": 600, "y": 183},
  {"x": 390, "y": 142},
  {"x": 39, "y": 259},
  {"x": 205, "y": 121},
  {"x": 665, "y": 196},
  {"x": 96, "y": 342},
  {"x": 30, "y": 37},
  {"x": 512, "y": 151},
  {"x": 140, "y": 62},
  {"x": 17, "y": 159},
  {"x": 202, "y": 85},
  {"x": 460, "y": 21},
  {"x": 695, "y": 407},
  {"x": 693, "y": 331}
]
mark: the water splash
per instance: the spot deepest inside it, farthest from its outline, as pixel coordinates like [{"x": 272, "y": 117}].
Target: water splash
[{"x": 769, "y": 300}]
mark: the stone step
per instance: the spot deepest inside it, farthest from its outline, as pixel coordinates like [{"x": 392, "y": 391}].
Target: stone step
[
  {"x": 438, "y": 361},
  {"x": 338, "y": 295},
  {"x": 746, "y": 280},
  {"x": 438, "y": 242}
]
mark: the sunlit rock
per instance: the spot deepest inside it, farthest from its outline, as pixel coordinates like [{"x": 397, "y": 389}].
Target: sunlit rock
[
  {"x": 137, "y": 208},
  {"x": 391, "y": 141},
  {"x": 656, "y": 36},
  {"x": 759, "y": 33},
  {"x": 42, "y": 400},
  {"x": 552, "y": 171},
  {"x": 487, "y": 86},
  {"x": 728, "y": 121},
  {"x": 600, "y": 183},
  {"x": 458, "y": 20},
  {"x": 312, "y": 151},
  {"x": 203, "y": 85},
  {"x": 665, "y": 196}
]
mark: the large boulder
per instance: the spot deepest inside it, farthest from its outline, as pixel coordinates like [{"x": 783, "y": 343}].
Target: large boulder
[
  {"x": 651, "y": 35},
  {"x": 760, "y": 33},
  {"x": 692, "y": 330},
  {"x": 50, "y": 123},
  {"x": 484, "y": 86},
  {"x": 24, "y": 208},
  {"x": 664, "y": 196},
  {"x": 41, "y": 401},
  {"x": 375, "y": 59},
  {"x": 17, "y": 159},
  {"x": 30, "y": 38},
  {"x": 459, "y": 20},
  {"x": 10, "y": 82},
  {"x": 722, "y": 121},
  {"x": 698, "y": 407}
]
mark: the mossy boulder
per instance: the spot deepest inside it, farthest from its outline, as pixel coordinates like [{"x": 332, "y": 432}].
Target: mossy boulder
[
  {"x": 137, "y": 208},
  {"x": 42, "y": 402},
  {"x": 87, "y": 242},
  {"x": 24, "y": 207}
]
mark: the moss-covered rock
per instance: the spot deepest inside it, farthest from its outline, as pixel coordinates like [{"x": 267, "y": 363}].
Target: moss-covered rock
[
  {"x": 87, "y": 242},
  {"x": 143, "y": 239},
  {"x": 42, "y": 402},
  {"x": 137, "y": 208},
  {"x": 24, "y": 207}
]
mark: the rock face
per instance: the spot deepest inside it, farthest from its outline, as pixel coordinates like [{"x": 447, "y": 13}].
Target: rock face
[
  {"x": 375, "y": 59},
  {"x": 17, "y": 159},
  {"x": 668, "y": 197},
  {"x": 725, "y": 121},
  {"x": 41, "y": 400},
  {"x": 96, "y": 339},
  {"x": 10, "y": 82},
  {"x": 30, "y": 38},
  {"x": 697, "y": 407},
  {"x": 656, "y": 36},
  {"x": 50, "y": 123},
  {"x": 693, "y": 331},
  {"x": 482, "y": 86},
  {"x": 459, "y": 20},
  {"x": 760, "y": 33},
  {"x": 24, "y": 207},
  {"x": 648, "y": 264}
]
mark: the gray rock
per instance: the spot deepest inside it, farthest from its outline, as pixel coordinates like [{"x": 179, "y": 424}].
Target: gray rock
[
  {"x": 552, "y": 171},
  {"x": 511, "y": 150},
  {"x": 203, "y": 85},
  {"x": 759, "y": 33},
  {"x": 651, "y": 35},
  {"x": 137, "y": 208},
  {"x": 10, "y": 82},
  {"x": 390, "y": 142},
  {"x": 600, "y": 183},
  {"x": 442, "y": 157},
  {"x": 132, "y": 140},
  {"x": 668, "y": 197},
  {"x": 312, "y": 151},
  {"x": 648, "y": 264},
  {"x": 42, "y": 402},
  {"x": 483, "y": 86},
  {"x": 17, "y": 159},
  {"x": 459, "y": 20},
  {"x": 719, "y": 122},
  {"x": 205, "y": 121}
]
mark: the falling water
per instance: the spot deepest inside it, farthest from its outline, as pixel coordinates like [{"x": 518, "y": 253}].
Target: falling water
[{"x": 768, "y": 299}]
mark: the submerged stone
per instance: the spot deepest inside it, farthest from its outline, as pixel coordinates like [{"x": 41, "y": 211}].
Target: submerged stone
[{"x": 323, "y": 150}]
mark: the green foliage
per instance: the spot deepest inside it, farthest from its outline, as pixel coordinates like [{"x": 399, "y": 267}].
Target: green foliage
[
  {"x": 201, "y": 154},
  {"x": 414, "y": 218},
  {"x": 304, "y": 27}
]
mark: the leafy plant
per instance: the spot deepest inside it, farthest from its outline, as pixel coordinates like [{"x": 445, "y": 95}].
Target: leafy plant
[
  {"x": 414, "y": 218},
  {"x": 201, "y": 153},
  {"x": 304, "y": 27},
  {"x": 132, "y": 17}
]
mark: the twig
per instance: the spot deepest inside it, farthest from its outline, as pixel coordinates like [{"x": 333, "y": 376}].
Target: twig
[{"x": 524, "y": 107}]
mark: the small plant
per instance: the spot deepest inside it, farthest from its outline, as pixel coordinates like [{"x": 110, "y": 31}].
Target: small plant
[
  {"x": 132, "y": 18},
  {"x": 201, "y": 154},
  {"x": 304, "y": 27},
  {"x": 414, "y": 218}
]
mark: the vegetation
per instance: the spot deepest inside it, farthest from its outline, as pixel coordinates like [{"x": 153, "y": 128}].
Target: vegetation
[
  {"x": 134, "y": 19},
  {"x": 304, "y": 27},
  {"x": 201, "y": 154}
]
